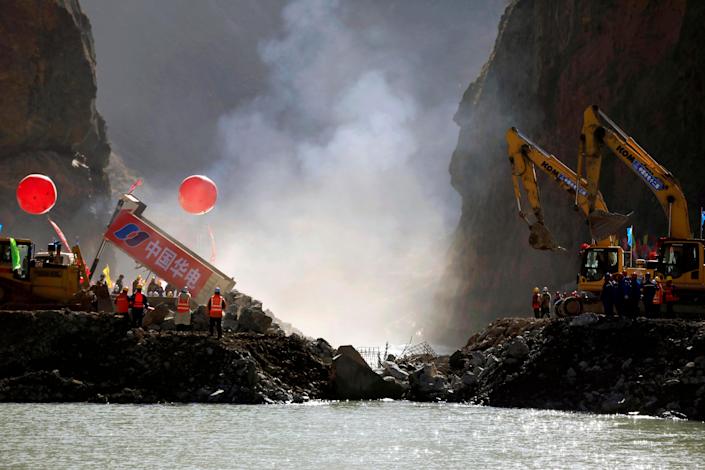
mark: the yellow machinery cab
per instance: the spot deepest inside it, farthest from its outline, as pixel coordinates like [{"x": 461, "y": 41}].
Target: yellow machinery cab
[
  {"x": 684, "y": 261},
  {"x": 41, "y": 278},
  {"x": 595, "y": 263}
]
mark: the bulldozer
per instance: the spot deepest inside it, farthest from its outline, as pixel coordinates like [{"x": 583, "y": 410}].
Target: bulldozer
[{"x": 30, "y": 279}]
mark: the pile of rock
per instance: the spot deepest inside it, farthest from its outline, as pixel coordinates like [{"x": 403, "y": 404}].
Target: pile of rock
[
  {"x": 588, "y": 363},
  {"x": 75, "y": 356},
  {"x": 242, "y": 315}
]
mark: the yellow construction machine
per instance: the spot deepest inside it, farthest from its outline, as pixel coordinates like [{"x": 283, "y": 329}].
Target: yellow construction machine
[
  {"x": 604, "y": 255},
  {"x": 50, "y": 279},
  {"x": 680, "y": 255}
]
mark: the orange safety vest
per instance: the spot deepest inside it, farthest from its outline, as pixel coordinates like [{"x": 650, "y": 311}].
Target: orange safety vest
[
  {"x": 139, "y": 301},
  {"x": 184, "y": 304},
  {"x": 657, "y": 295},
  {"x": 122, "y": 303},
  {"x": 216, "y": 306},
  {"x": 668, "y": 294}
]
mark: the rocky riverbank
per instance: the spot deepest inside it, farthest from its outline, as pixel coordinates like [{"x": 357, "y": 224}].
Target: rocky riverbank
[
  {"x": 587, "y": 363},
  {"x": 56, "y": 356}
]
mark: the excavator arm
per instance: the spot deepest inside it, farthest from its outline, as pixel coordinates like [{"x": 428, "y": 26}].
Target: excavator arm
[
  {"x": 524, "y": 157},
  {"x": 599, "y": 131}
]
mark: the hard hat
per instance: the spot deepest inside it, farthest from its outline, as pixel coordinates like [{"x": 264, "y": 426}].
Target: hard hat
[
  {"x": 545, "y": 289},
  {"x": 125, "y": 289},
  {"x": 669, "y": 278},
  {"x": 139, "y": 286},
  {"x": 217, "y": 290},
  {"x": 184, "y": 290},
  {"x": 536, "y": 290}
]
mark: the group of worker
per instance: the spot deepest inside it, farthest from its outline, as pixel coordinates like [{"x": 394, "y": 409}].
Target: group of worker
[
  {"x": 154, "y": 288},
  {"x": 132, "y": 308},
  {"x": 541, "y": 302},
  {"x": 624, "y": 294}
]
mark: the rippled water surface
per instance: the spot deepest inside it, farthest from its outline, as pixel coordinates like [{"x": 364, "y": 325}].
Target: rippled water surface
[{"x": 337, "y": 435}]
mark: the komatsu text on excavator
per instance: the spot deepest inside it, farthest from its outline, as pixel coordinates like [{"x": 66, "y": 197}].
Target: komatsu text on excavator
[
  {"x": 680, "y": 255},
  {"x": 604, "y": 255}
]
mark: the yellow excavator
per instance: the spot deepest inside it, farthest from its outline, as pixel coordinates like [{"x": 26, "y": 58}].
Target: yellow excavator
[
  {"x": 50, "y": 279},
  {"x": 680, "y": 255},
  {"x": 604, "y": 255}
]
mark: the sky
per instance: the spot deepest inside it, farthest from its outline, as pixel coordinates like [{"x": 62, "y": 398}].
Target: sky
[{"x": 328, "y": 128}]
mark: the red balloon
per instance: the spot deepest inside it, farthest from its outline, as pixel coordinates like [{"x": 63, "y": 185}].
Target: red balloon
[
  {"x": 36, "y": 194},
  {"x": 197, "y": 194}
]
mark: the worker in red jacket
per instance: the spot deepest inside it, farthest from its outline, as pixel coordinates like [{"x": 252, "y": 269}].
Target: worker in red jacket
[
  {"x": 122, "y": 305},
  {"x": 139, "y": 304},
  {"x": 216, "y": 307},
  {"x": 669, "y": 296}
]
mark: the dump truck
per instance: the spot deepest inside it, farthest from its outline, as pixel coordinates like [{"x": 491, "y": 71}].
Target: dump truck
[{"x": 140, "y": 239}]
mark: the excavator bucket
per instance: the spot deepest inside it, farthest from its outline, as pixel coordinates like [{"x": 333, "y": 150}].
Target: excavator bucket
[
  {"x": 603, "y": 224},
  {"x": 540, "y": 238}
]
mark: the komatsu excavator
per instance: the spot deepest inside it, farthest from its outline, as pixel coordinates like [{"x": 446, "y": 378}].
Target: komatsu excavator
[
  {"x": 680, "y": 255},
  {"x": 604, "y": 255}
]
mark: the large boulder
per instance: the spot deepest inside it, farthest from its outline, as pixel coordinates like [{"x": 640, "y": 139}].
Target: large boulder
[
  {"x": 353, "y": 379},
  {"x": 426, "y": 384},
  {"x": 199, "y": 319},
  {"x": 156, "y": 316},
  {"x": 253, "y": 320},
  {"x": 392, "y": 369}
]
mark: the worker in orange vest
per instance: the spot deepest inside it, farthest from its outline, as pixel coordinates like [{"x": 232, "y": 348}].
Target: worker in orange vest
[
  {"x": 122, "y": 305},
  {"x": 669, "y": 296},
  {"x": 216, "y": 307},
  {"x": 182, "y": 319},
  {"x": 536, "y": 302},
  {"x": 139, "y": 303}
]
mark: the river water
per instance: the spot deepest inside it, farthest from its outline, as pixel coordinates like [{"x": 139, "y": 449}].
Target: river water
[{"x": 337, "y": 435}]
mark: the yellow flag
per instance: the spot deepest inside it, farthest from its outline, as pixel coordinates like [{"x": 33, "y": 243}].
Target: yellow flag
[{"x": 106, "y": 271}]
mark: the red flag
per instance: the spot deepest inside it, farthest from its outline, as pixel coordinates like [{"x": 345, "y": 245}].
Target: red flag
[
  {"x": 60, "y": 234},
  {"x": 135, "y": 185},
  {"x": 210, "y": 234}
]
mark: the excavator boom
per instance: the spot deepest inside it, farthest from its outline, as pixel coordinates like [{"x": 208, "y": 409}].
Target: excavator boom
[
  {"x": 599, "y": 131},
  {"x": 524, "y": 157}
]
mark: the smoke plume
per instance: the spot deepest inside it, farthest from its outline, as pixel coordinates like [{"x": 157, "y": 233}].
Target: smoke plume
[{"x": 335, "y": 207}]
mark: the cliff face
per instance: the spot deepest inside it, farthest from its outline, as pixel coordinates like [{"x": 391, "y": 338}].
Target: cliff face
[
  {"x": 49, "y": 123},
  {"x": 643, "y": 63}
]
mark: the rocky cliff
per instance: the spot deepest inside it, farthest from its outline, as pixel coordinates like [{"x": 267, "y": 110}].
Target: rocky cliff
[
  {"x": 643, "y": 63},
  {"x": 48, "y": 119}
]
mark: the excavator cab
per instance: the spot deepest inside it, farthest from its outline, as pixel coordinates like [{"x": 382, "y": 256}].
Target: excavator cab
[
  {"x": 595, "y": 263},
  {"x": 684, "y": 261}
]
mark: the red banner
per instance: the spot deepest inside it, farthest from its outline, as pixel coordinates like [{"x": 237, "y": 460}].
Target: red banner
[{"x": 163, "y": 257}]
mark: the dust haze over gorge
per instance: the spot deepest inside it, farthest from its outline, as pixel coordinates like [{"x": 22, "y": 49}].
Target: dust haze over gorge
[{"x": 335, "y": 206}]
